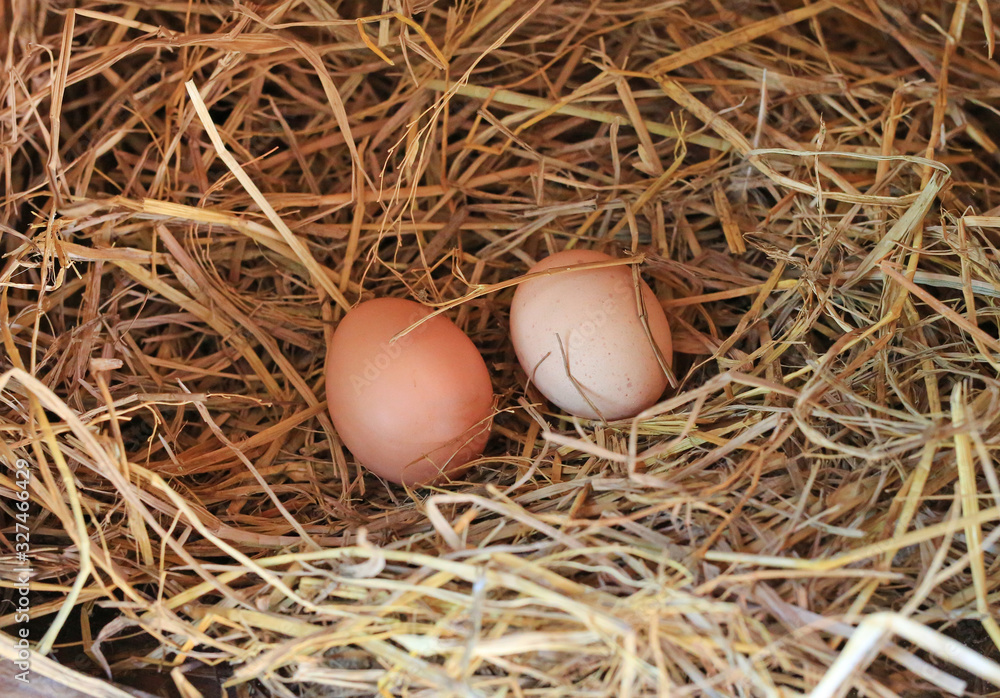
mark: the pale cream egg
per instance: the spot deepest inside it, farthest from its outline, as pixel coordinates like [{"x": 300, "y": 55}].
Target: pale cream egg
[{"x": 579, "y": 337}]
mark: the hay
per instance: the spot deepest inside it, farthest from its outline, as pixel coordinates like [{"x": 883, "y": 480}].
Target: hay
[{"x": 194, "y": 193}]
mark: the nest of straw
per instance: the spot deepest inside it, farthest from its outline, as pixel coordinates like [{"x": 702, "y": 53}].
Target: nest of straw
[{"x": 194, "y": 192}]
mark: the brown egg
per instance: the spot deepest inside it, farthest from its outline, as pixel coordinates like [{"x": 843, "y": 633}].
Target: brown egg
[
  {"x": 412, "y": 411},
  {"x": 579, "y": 337}
]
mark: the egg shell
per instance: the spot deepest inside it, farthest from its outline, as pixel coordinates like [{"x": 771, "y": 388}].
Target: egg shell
[
  {"x": 594, "y": 314},
  {"x": 412, "y": 411}
]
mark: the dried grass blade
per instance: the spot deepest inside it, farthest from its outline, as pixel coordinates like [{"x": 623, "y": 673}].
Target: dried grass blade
[
  {"x": 968, "y": 492},
  {"x": 866, "y": 640},
  {"x": 484, "y": 21},
  {"x": 210, "y": 318},
  {"x": 301, "y": 251},
  {"x": 911, "y": 538},
  {"x": 59, "y": 76},
  {"x": 941, "y": 308},
  {"x": 78, "y": 531},
  {"x": 371, "y": 44},
  {"x": 501, "y": 96},
  {"x": 56, "y": 672},
  {"x": 901, "y": 229},
  {"x": 988, "y": 28},
  {"x": 121, "y": 21},
  {"x": 647, "y": 151},
  {"x": 738, "y": 37}
]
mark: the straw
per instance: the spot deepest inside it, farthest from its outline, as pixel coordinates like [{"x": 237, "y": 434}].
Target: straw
[{"x": 193, "y": 195}]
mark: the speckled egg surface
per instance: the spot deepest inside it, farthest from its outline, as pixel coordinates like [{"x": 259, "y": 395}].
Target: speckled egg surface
[
  {"x": 413, "y": 411},
  {"x": 579, "y": 337}
]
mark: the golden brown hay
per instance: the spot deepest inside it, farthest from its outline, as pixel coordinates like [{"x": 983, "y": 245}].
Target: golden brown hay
[{"x": 194, "y": 192}]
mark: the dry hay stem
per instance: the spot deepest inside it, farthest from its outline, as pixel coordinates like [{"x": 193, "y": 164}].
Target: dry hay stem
[{"x": 193, "y": 194}]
